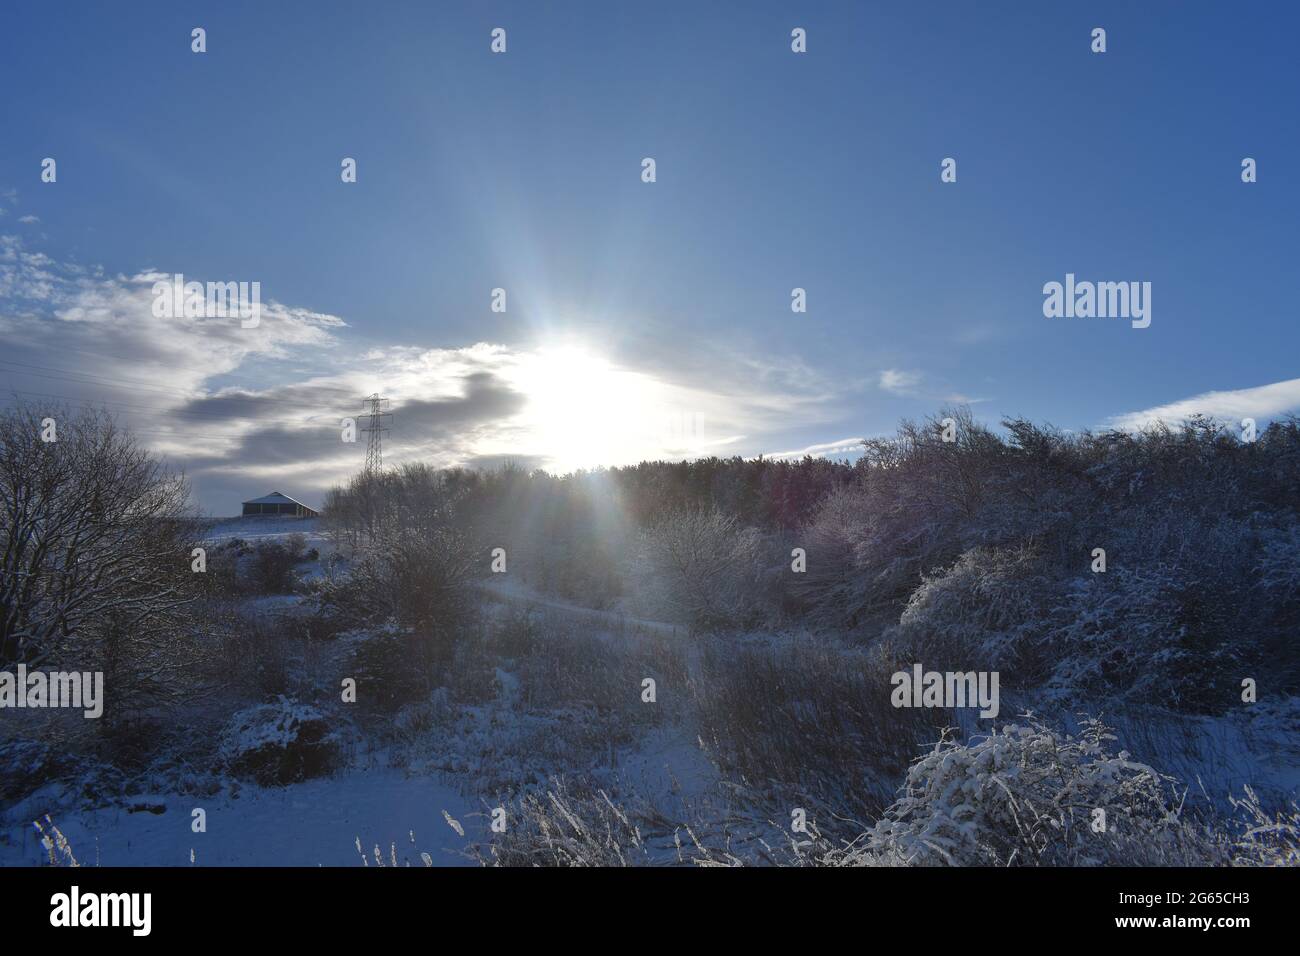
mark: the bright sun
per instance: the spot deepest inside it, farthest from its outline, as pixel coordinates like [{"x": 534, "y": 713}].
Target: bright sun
[{"x": 585, "y": 411}]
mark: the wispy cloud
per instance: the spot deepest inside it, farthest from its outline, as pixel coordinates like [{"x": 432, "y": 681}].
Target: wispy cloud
[
  {"x": 1261, "y": 402},
  {"x": 912, "y": 384},
  {"x": 899, "y": 382},
  {"x": 845, "y": 446}
]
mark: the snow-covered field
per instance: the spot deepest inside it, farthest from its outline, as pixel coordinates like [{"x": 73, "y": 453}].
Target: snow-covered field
[
  {"x": 561, "y": 713},
  {"x": 316, "y": 822},
  {"x": 252, "y": 528},
  {"x": 400, "y": 809}
]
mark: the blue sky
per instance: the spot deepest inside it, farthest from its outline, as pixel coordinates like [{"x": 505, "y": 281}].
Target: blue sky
[{"x": 633, "y": 304}]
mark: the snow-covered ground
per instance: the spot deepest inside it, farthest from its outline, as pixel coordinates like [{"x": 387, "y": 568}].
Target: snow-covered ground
[
  {"x": 263, "y": 527},
  {"x": 256, "y": 530},
  {"x": 519, "y": 594},
  {"x": 458, "y": 770},
  {"x": 474, "y": 756},
  {"x": 316, "y": 822}
]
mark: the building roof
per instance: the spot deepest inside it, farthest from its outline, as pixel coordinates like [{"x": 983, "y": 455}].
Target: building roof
[{"x": 275, "y": 498}]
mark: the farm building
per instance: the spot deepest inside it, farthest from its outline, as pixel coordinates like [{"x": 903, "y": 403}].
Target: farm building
[{"x": 278, "y": 504}]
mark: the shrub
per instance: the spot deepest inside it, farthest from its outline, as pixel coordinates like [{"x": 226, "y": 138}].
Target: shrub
[
  {"x": 28, "y": 765},
  {"x": 706, "y": 568},
  {"x": 1030, "y": 796},
  {"x": 836, "y": 589},
  {"x": 296, "y": 545},
  {"x": 988, "y": 611},
  {"x": 280, "y": 743},
  {"x": 419, "y": 581},
  {"x": 1157, "y": 635},
  {"x": 393, "y": 666},
  {"x": 273, "y": 565}
]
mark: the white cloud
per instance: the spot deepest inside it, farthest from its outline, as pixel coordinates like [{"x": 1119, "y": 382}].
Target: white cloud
[
  {"x": 29, "y": 219},
  {"x": 107, "y": 322},
  {"x": 842, "y": 447},
  {"x": 899, "y": 382},
  {"x": 915, "y": 385},
  {"x": 75, "y": 332},
  {"x": 1261, "y": 402}
]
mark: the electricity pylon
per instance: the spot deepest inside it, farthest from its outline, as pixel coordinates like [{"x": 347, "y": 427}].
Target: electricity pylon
[{"x": 376, "y": 428}]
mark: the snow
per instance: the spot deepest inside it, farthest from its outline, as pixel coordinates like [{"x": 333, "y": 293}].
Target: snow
[
  {"x": 514, "y": 592},
  {"x": 254, "y": 527},
  {"x": 274, "y": 725},
  {"x": 313, "y": 823},
  {"x": 256, "y": 530},
  {"x": 408, "y": 798}
]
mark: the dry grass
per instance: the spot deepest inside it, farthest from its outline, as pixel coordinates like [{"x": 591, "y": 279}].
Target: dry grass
[{"x": 810, "y": 724}]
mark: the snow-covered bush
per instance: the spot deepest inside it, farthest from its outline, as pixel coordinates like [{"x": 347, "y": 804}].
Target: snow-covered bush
[
  {"x": 703, "y": 568},
  {"x": 1278, "y": 567},
  {"x": 280, "y": 743},
  {"x": 988, "y": 611},
  {"x": 26, "y": 765},
  {"x": 418, "y": 580},
  {"x": 1156, "y": 634},
  {"x": 835, "y": 588},
  {"x": 1028, "y": 795},
  {"x": 416, "y": 721}
]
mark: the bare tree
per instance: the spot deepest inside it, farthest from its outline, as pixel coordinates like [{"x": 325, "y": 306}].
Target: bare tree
[
  {"x": 381, "y": 505},
  {"x": 413, "y": 557},
  {"x": 706, "y": 563},
  {"x": 94, "y": 537}
]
